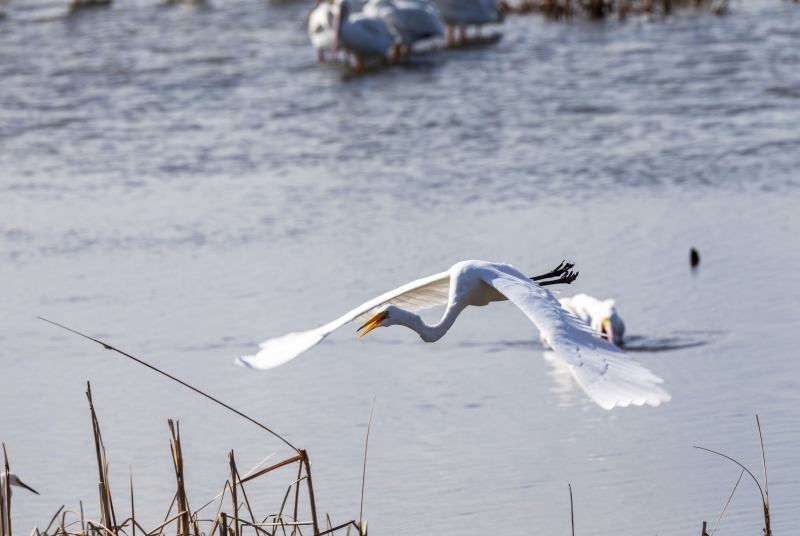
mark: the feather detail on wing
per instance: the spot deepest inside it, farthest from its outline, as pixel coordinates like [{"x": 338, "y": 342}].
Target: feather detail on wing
[
  {"x": 608, "y": 375},
  {"x": 415, "y": 296}
]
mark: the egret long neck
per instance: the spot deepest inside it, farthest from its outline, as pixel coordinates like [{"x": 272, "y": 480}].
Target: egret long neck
[{"x": 435, "y": 332}]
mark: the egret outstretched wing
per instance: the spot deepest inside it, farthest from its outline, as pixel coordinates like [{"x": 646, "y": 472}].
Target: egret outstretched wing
[
  {"x": 609, "y": 376},
  {"x": 415, "y": 296}
]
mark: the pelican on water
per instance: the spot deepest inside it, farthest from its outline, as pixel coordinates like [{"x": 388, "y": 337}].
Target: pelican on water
[
  {"x": 363, "y": 35},
  {"x": 321, "y": 28},
  {"x": 413, "y": 20},
  {"x": 607, "y": 375},
  {"x": 462, "y": 13}
]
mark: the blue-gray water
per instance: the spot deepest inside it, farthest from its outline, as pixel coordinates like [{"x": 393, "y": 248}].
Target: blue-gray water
[{"x": 187, "y": 182}]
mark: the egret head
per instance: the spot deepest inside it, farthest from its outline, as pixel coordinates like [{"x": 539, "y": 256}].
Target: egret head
[
  {"x": 385, "y": 317},
  {"x": 13, "y": 480}
]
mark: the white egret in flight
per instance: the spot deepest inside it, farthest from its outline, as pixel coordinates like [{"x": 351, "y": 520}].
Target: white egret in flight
[
  {"x": 603, "y": 371},
  {"x": 13, "y": 480}
]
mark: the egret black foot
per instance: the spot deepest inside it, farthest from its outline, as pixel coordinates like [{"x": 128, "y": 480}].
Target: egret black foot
[
  {"x": 560, "y": 270},
  {"x": 565, "y": 279}
]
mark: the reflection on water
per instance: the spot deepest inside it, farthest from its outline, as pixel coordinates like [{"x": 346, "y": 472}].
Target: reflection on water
[{"x": 565, "y": 387}]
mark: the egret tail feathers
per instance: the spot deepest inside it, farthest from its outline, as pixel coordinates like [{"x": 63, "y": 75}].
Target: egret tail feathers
[{"x": 275, "y": 352}]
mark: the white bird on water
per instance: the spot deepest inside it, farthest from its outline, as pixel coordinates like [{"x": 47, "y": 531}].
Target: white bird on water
[
  {"x": 321, "y": 29},
  {"x": 602, "y": 370},
  {"x": 413, "y": 20},
  {"x": 363, "y": 35},
  {"x": 600, "y": 315},
  {"x": 461, "y": 13},
  {"x": 13, "y": 480}
]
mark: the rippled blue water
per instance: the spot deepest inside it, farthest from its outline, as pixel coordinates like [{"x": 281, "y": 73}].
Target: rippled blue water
[{"x": 185, "y": 182}]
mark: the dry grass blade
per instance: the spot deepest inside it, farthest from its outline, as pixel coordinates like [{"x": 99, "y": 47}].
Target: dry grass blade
[
  {"x": 5, "y": 503},
  {"x": 109, "y": 347},
  {"x": 571, "y": 510},
  {"x": 364, "y": 471},
  {"x": 726, "y": 504},
  {"x": 311, "y": 502},
  {"x": 767, "y": 529},
  {"x": 133, "y": 511},
  {"x": 740, "y": 465},
  {"x": 272, "y": 468},
  {"x": 187, "y": 523},
  {"x": 764, "y": 497},
  {"x": 55, "y": 516}
]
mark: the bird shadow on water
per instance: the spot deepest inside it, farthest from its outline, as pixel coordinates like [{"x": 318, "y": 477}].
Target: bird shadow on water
[{"x": 635, "y": 343}]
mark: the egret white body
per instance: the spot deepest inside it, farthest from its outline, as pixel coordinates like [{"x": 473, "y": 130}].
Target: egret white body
[
  {"x": 413, "y": 20},
  {"x": 321, "y": 28},
  {"x": 607, "y": 375},
  {"x": 600, "y": 315},
  {"x": 364, "y": 35}
]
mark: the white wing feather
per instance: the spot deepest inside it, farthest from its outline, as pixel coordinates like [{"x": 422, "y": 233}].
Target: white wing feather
[
  {"x": 415, "y": 296},
  {"x": 608, "y": 375}
]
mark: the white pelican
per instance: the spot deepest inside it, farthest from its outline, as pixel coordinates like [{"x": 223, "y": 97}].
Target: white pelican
[
  {"x": 13, "y": 480},
  {"x": 461, "y": 13},
  {"x": 363, "y": 35},
  {"x": 321, "y": 27},
  {"x": 413, "y": 20},
  {"x": 603, "y": 371},
  {"x": 600, "y": 315}
]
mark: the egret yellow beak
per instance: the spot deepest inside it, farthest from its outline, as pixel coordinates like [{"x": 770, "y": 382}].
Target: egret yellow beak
[
  {"x": 373, "y": 323},
  {"x": 606, "y": 325}
]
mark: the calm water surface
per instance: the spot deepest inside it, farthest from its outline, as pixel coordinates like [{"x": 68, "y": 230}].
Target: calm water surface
[{"x": 187, "y": 182}]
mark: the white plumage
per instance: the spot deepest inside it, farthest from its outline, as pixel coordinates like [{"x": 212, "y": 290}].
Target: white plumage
[
  {"x": 321, "y": 28},
  {"x": 461, "y": 13},
  {"x": 600, "y": 315},
  {"x": 13, "y": 480},
  {"x": 602, "y": 370},
  {"x": 413, "y": 20},
  {"x": 364, "y": 35}
]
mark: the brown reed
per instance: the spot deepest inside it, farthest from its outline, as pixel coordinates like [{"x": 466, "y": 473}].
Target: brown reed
[
  {"x": 185, "y": 522},
  {"x": 764, "y": 491}
]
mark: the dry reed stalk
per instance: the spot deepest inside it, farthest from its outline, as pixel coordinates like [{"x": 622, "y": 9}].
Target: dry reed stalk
[
  {"x": 571, "y": 510},
  {"x": 188, "y": 522},
  {"x": 764, "y": 498},
  {"x": 180, "y": 494},
  {"x": 173, "y": 378},
  {"x": 107, "y": 518},
  {"x": 237, "y": 478},
  {"x": 364, "y": 471},
  {"x": 232, "y": 464},
  {"x": 724, "y": 508},
  {"x": 5, "y": 507},
  {"x": 296, "y": 497},
  {"x": 311, "y": 502}
]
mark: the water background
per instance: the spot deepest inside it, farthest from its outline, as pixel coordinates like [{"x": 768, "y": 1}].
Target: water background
[{"x": 185, "y": 182}]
